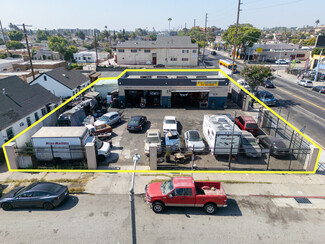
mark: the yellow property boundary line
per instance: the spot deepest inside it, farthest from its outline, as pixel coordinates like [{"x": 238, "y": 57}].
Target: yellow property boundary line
[{"x": 163, "y": 171}]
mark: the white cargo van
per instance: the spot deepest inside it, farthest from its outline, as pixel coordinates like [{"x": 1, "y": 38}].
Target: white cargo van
[
  {"x": 217, "y": 130},
  {"x": 66, "y": 143}
]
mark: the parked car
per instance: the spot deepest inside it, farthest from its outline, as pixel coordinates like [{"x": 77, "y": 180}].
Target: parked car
[
  {"x": 243, "y": 83},
  {"x": 277, "y": 147},
  {"x": 170, "y": 124},
  {"x": 46, "y": 195},
  {"x": 268, "y": 84},
  {"x": 159, "y": 66},
  {"x": 153, "y": 137},
  {"x": 1, "y": 189},
  {"x": 214, "y": 53},
  {"x": 185, "y": 192},
  {"x": 249, "y": 145},
  {"x": 172, "y": 141},
  {"x": 297, "y": 61},
  {"x": 109, "y": 119},
  {"x": 281, "y": 61},
  {"x": 305, "y": 83},
  {"x": 194, "y": 141},
  {"x": 320, "y": 89},
  {"x": 247, "y": 123},
  {"x": 266, "y": 97},
  {"x": 136, "y": 123}
]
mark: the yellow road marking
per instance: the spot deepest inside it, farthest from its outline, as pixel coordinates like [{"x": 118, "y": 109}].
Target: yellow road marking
[{"x": 301, "y": 98}]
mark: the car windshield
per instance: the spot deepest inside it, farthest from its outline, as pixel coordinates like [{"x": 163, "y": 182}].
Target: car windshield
[
  {"x": 309, "y": 82},
  {"x": 167, "y": 186},
  {"x": 251, "y": 126},
  {"x": 194, "y": 136},
  {"x": 99, "y": 143},
  {"x": 21, "y": 190},
  {"x": 173, "y": 137},
  {"x": 170, "y": 121},
  {"x": 153, "y": 140},
  {"x": 103, "y": 118},
  {"x": 249, "y": 141},
  {"x": 134, "y": 122},
  {"x": 268, "y": 97}
]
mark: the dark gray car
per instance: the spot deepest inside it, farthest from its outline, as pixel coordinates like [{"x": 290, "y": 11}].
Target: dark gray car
[
  {"x": 40, "y": 194},
  {"x": 277, "y": 147}
]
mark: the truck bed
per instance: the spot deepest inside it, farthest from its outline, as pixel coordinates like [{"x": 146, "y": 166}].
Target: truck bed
[{"x": 209, "y": 188}]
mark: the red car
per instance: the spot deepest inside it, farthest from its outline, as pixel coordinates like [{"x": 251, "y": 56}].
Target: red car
[
  {"x": 247, "y": 123},
  {"x": 185, "y": 192}
]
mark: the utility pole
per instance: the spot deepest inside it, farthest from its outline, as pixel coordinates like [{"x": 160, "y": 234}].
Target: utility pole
[
  {"x": 4, "y": 39},
  {"x": 29, "y": 55},
  {"x": 96, "y": 49},
  {"x": 205, "y": 38},
  {"x": 234, "y": 53},
  {"x": 194, "y": 23}
]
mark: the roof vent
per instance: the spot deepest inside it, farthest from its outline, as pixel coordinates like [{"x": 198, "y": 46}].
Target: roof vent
[{"x": 4, "y": 91}]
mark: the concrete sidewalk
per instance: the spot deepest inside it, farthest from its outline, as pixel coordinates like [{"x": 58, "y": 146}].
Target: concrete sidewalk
[{"x": 283, "y": 185}]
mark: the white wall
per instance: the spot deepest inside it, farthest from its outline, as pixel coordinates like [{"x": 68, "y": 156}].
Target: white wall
[
  {"x": 20, "y": 125},
  {"x": 89, "y": 56},
  {"x": 140, "y": 57},
  {"x": 162, "y": 54},
  {"x": 53, "y": 86}
]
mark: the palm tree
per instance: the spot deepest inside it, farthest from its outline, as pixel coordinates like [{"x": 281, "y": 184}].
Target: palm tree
[
  {"x": 169, "y": 19},
  {"x": 317, "y": 22}
]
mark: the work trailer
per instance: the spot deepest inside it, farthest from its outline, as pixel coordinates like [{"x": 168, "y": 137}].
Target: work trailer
[{"x": 218, "y": 131}]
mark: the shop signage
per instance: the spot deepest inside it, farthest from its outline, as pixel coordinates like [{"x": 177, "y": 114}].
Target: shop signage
[{"x": 207, "y": 83}]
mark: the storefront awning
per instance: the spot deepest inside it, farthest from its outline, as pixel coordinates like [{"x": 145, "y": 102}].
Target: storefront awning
[{"x": 189, "y": 90}]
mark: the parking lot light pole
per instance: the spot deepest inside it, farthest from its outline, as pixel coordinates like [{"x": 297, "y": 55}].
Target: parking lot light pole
[{"x": 134, "y": 237}]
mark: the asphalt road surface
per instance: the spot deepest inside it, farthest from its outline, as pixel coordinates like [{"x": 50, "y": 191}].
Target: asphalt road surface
[
  {"x": 304, "y": 107},
  {"x": 106, "y": 219}
]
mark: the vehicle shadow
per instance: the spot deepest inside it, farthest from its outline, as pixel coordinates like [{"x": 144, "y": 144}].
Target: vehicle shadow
[
  {"x": 179, "y": 127},
  {"x": 231, "y": 210},
  {"x": 67, "y": 204}
]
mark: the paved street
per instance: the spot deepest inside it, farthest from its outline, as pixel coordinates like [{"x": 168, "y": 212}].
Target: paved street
[{"x": 106, "y": 219}]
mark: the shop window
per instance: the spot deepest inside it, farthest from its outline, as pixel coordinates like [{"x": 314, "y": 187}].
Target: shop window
[
  {"x": 184, "y": 59},
  {"x": 121, "y": 50},
  {"x": 173, "y": 59},
  {"x": 134, "y": 50},
  {"x": 194, "y": 51},
  {"x": 185, "y": 51},
  {"x": 45, "y": 78},
  {"x": 147, "y": 50}
]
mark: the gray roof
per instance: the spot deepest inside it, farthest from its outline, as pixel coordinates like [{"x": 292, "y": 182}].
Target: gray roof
[
  {"x": 162, "y": 42},
  {"x": 21, "y": 99},
  {"x": 69, "y": 78}
]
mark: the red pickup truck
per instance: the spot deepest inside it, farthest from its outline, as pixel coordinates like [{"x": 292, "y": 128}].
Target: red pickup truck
[{"x": 185, "y": 192}]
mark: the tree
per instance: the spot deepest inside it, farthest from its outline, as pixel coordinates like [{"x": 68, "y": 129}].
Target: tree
[
  {"x": 317, "y": 22},
  {"x": 247, "y": 36},
  {"x": 15, "y": 35},
  {"x": 316, "y": 51},
  {"x": 256, "y": 74},
  {"x": 153, "y": 36},
  {"x": 42, "y": 35},
  {"x": 15, "y": 45},
  {"x": 61, "y": 45},
  {"x": 81, "y": 35},
  {"x": 13, "y": 27},
  {"x": 2, "y": 41},
  {"x": 309, "y": 42},
  {"x": 68, "y": 55}
]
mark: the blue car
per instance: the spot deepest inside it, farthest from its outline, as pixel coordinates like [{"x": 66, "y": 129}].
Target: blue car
[
  {"x": 266, "y": 97},
  {"x": 172, "y": 141}
]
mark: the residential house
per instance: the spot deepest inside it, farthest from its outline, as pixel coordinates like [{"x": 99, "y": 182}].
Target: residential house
[
  {"x": 62, "y": 82},
  {"x": 21, "y": 106},
  {"x": 89, "y": 56},
  {"x": 166, "y": 50}
]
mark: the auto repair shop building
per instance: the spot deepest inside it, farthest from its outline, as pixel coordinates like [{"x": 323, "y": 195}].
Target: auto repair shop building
[{"x": 173, "y": 89}]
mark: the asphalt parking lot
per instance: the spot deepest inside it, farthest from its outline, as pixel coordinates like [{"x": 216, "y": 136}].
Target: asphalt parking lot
[{"x": 126, "y": 144}]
